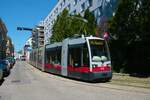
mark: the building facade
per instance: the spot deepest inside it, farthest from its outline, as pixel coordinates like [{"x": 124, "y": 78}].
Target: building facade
[
  {"x": 38, "y": 36},
  {"x": 9, "y": 48},
  {"x": 27, "y": 49},
  {"x": 3, "y": 39},
  {"x": 6, "y": 45},
  {"x": 100, "y": 8}
]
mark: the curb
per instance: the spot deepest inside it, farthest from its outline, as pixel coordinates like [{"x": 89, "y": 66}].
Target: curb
[{"x": 121, "y": 74}]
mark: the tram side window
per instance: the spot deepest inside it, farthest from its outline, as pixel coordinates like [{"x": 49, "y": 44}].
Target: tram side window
[
  {"x": 39, "y": 57},
  {"x": 75, "y": 57},
  {"x": 34, "y": 59},
  {"x": 54, "y": 56},
  {"x": 85, "y": 57},
  {"x": 78, "y": 56},
  {"x": 59, "y": 56},
  {"x": 46, "y": 57}
]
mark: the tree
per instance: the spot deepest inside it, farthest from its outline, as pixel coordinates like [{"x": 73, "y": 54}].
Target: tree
[
  {"x": 68, "y": 25},
  {"x": 77, "y": 24},
  {"x": 130, "y": 25},
  {"x": 91, "y": 24},
  {"x": 102, "y": 27},
  {"x": 65, "y": 26},
  {"x": 60, "y": 27}
]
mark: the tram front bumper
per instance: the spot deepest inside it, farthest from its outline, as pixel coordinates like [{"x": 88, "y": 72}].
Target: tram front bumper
[{"x": 100, "y": 75}]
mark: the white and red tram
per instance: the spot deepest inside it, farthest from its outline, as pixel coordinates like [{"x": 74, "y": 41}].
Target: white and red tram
[{"x": 85, "y": 58}]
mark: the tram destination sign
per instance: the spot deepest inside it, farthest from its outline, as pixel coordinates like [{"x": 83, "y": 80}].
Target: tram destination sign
[{"x": 96, "y": 42}]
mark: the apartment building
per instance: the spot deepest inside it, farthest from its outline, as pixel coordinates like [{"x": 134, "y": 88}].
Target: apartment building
[
  {"x": 27, "y": 49},
  {"x": 38, "y": 36},
  {"x": 100, "y": 9},
  {"x": 9, "y": 47},
  {"x": 3, "y": 39}
]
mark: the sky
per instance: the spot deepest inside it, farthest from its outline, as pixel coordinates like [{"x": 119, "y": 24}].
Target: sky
[{"x": 23, "y": 13}]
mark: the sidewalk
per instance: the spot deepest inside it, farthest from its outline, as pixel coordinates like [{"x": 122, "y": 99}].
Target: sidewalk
[{"x": 125, "y": 79}]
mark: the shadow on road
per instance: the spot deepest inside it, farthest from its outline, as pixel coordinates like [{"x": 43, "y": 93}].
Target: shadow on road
[
  {"x": 1, "y": 82},
  {"x": 6, "y": 75}
]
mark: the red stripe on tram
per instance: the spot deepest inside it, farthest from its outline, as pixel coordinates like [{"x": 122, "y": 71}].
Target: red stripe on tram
[
  {"x": 57, "y": 66},
  {"x": 101, "y": 69},
  {"x": 82, "y": 69}
]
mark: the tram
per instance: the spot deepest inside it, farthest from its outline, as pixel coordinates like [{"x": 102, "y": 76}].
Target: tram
[
  {"x": 37, "y": 58},
  {"x": 84, "y": 58}
]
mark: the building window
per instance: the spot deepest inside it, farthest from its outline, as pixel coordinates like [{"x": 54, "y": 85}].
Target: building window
[
  {"x": 82, "y": 7},
  {"x": 95, "y": 13},
  {"x": 75, "y": 2},
  {"x": 68, "y": 7},
  {"x": 90, "y": 3},
  {"x": 99, "y": 13},
  {"x": 63, "y": 3},
  {"x": 49, "y": 24},
  {"x": 60, "y": 6},
  {"x": 56, "y": 11},
  {"x": 52, "y": 14},
  {"x": 46, "y": 21},
  {"x": 74, "y": 11}
]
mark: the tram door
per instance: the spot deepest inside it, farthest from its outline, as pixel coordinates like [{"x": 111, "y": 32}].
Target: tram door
[{"x": 64, "y": 57}]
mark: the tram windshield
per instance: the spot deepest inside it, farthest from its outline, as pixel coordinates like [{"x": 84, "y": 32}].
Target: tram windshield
[{"x": 99, "y": 50}]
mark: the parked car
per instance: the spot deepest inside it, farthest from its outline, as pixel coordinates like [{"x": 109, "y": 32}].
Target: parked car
[
  {"x": 1, "y": 73},
  {"x": 11, "y": 61},
  {"x": 5, "y": 65}
]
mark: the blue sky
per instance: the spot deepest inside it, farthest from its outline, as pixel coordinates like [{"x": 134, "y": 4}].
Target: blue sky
[{"x": 26, "y": 13}]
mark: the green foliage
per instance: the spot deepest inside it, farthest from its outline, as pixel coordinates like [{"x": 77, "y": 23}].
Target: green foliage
[
  {"x": 67, "y": 26},
  {"x": 77, "y": 26},
  {"x": 131, "y": 27},
  {"x": 91, "y": 25},
  {"x": 60, "y": 27}
]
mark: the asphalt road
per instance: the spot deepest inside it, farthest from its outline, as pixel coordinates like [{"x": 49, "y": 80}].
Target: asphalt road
[{"x": 28, "y": 83}]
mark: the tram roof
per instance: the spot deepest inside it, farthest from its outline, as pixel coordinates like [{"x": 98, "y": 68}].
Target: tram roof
[
  {"x": 54, "y": 45},
  {"x": 72, "y": 41},
  {"x": 91, "y": 37},
  {"x": 81, "y": 40},
  {"x": 76, "y": 41}
]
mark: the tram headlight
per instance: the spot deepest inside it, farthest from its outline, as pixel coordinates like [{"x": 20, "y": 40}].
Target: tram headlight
[{"x": 94, "y": 65}]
